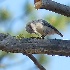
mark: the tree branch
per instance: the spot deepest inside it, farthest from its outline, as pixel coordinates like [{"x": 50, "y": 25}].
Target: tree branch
[
  {"x": 9, "y": 43},
  {"x": 53, "y": 6},
  {"x": 35, "y": 61}
]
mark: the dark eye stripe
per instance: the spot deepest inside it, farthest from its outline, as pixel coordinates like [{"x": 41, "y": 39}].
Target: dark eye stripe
[{"x": 29, "y": 26}]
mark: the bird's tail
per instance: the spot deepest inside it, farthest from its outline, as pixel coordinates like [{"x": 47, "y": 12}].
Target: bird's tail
[{"x": 59, "y": 34}]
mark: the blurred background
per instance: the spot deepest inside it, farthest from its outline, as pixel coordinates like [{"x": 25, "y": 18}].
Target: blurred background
[{"x": 14, "y": 15}]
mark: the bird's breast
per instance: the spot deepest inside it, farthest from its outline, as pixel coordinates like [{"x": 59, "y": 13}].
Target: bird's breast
[{"x": 39, "y": 28}]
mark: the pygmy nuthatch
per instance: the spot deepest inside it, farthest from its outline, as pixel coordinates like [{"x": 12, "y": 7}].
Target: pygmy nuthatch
[{"x": 41, "y": 27}]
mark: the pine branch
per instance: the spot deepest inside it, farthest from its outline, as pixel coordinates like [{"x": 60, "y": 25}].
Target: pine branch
[
  {"x": 9, "y": 43},
  {"x": 53, "y": 6}
]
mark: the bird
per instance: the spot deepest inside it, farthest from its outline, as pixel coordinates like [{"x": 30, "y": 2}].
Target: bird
[{"x": 41, "y": 27}]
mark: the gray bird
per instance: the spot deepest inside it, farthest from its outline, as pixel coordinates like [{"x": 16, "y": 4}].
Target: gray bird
[{"x": 42, "y": 27}]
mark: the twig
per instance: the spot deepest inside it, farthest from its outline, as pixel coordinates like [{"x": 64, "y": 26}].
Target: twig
[
  {"x": 35, "y": 61},
  {"x": 53, "y": 6}
]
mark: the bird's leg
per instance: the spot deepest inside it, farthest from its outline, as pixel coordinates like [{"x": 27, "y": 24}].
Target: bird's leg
[
  {"x": 42, "y": 36},
  {"x": 38, "y": 35}
]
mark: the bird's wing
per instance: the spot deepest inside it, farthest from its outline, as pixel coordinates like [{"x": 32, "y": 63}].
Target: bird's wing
[{"x": 49, "y": 25}]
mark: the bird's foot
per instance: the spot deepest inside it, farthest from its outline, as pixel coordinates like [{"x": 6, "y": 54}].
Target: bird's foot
[{"x": 42, "y": 37}]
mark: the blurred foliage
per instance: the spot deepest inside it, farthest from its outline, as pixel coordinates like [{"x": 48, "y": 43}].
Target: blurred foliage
[
  {"x": 5, "y": 54},
  {"x": 29, "y": 11},
  {"x": 58, "y": 21},
  {"x": 28, "y": 8},
  {"x": 4, "y": 15},
  {"x": 43, "y": 59}
]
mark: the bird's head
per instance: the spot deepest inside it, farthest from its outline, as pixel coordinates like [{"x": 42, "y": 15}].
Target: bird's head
[{"x": 29, "y": 28}]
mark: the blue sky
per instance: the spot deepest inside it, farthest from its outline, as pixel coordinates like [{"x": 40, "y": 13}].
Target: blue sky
[{"x": 57, "y": 62}]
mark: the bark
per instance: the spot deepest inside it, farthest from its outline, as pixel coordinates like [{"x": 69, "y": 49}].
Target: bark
[
  {"x": 9, "y": 43},
  {"x": 53, "y": 6}
]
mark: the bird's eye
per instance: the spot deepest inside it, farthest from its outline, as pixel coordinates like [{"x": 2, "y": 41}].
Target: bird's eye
[{"x": 29, "y": 26}]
